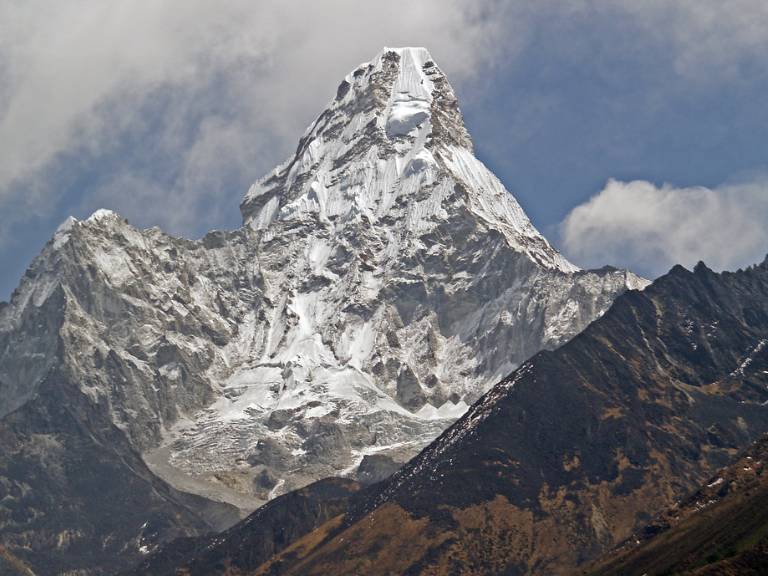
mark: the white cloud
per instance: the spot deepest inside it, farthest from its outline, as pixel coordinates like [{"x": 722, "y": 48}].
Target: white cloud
[
  {"x": 649, "y": 228},
  {"x": 76, "y": 73},
  {"x": 249, "y": 76}
]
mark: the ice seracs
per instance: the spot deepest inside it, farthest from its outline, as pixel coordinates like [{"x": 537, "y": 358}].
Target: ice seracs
[{"x": 383, "y": 279}]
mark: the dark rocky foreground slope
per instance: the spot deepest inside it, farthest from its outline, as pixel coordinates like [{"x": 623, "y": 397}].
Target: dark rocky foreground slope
[
  {"x": 577, "y": 450},
  {"x": 721, "y": 529},
  {"x": 251, "y": 543}
]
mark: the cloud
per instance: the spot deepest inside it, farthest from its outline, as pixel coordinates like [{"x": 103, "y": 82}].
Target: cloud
[
  {"x": 239, "y": 80},
  {"x": 649, "y": 228},
  {"x": 218, "y": 92},
  {"x": 707, "y": 39}
]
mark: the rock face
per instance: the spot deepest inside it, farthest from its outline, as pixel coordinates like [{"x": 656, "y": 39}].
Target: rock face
[
  {"x": 76, "y": 499},
  {"x": 376, "y": 468},
  {"x": 382, "y": 281},
  {"x": 577, "y": 449}
]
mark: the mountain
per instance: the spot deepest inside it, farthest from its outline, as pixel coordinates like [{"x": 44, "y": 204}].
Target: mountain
[
  {"x": 721, "y": 529},
  {"x": 578, "y": 449},
  {"x": 264, "y": 533},
  {"x": 382, "y": 281}
]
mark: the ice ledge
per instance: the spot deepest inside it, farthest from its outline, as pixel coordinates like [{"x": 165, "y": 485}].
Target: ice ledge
[{"x": 103, "y": 214}]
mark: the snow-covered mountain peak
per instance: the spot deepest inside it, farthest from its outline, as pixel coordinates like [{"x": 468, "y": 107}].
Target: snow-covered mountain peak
[
  {"x": 391, "y": 147},
  {"x": 386, "y": 122},
  {"x": 402, "y": 89},
  {"x": 406, "y": 86},
  {"x": 383, "y": 280},
  {"x": 100, "y": 219}
]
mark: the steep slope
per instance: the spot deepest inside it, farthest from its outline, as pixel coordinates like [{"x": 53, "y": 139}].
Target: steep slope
[
  {"x": 264, "y": 533},
  {"x": 382, "y": 281},
  {"x": 720, "y": 529},
  {"x": 574, "y": 451},
  {"x": 73, "y": 493}
]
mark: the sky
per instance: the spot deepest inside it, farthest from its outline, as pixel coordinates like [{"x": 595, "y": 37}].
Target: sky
[{"x": 632, "y": 133}]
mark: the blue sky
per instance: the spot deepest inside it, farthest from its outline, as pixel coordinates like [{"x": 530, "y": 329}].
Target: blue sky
[{"x": 632, "y": 133}]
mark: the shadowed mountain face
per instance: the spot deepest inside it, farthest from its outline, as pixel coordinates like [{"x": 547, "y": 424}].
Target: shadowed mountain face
[
  {"x": 577, "y": 449},
  {"x": 721, "y": 529},
  {"x": 73, "y": 493}
]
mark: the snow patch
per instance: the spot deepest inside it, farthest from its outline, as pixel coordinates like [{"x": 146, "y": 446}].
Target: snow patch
[{"x": 406, "y": 115}]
